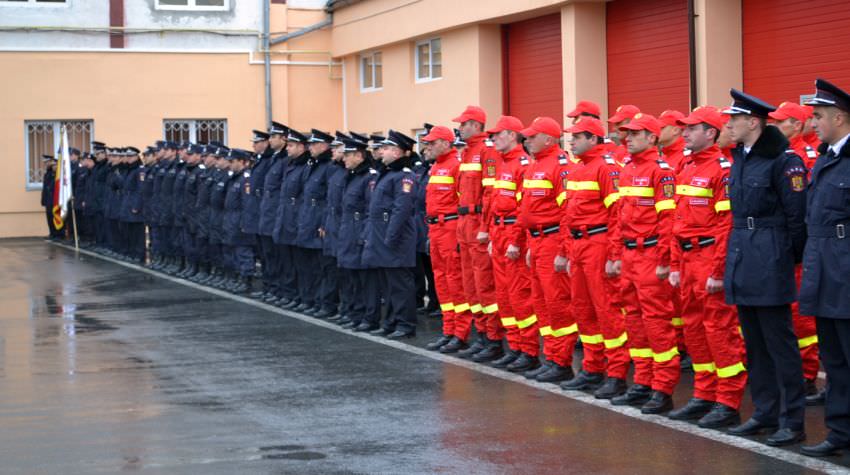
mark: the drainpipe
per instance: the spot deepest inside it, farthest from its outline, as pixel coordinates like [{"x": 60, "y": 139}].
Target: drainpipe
[
  {"x": 303, "y": 31},
  {"x": 692, "y": 52},
  {"x": 267, "y": 59}
]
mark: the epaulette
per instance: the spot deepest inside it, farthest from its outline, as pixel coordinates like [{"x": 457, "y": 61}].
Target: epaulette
[
  {"x": 609, "y": 159},
  {"x": 562, "y": 159},
  {"x": 724, "y": 163},
  {"x": 686, "y": 152},
  {"x": 523, "y": 160},
  {"x": 664, "y": 165},
  {"x": 408, "y": 170}
]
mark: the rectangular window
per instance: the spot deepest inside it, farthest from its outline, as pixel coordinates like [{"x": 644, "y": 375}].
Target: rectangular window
[
  {"x": 43, "y": 138},
  {"x": 31, "y": 2},
  {"x": 195, "y": 130},
  {"x": 200, "y": 5},
  {"x": 371, "y": 72},
  {"x": 429, "y": 60}
]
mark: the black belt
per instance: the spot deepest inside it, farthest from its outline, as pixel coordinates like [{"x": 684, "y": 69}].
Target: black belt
[
  {"x": 837, "y": 231},
  {"x": 590, "y": 231},
  {"x": 436, "y": 219},
  {"x": 690, "y": 244},
  {"x": 544, "y": 230},
  {"x": 758, "y": 223},
  {"x": 504, "y": 219},
  {"x": 464, "y": 210},
  {"x": 634, "y": 243}
]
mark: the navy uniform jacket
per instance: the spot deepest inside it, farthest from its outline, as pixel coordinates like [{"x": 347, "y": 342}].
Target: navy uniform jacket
[
  {"x": 132, "y": 206},
  {"x": 159, "y": 172},
  {"x": 270, "y": 192},
  {"x": 251, "y": 208},
  {"x": 80, "y": 178},
  {"x": 825, "y": 290},
  {"x": 311, "y": 213},
  {"x": 286, "y": 224},
  {"x": 352, "y": 217},
  {"x": 146, "y": 177},
  {"x": 420, "y": 169},
  {"x": 390, "y": 235},
  {"x": 234, "y": 201},
  {"x": 47, "y": 186},
  {"x": 100, "y": 194},
  {"x": 91, "y": 193},
  {"x": 178, "y": 204},
  {"x": 166, "y": 195},
  {"x": 115, "y": 183},
  {"x": 336, "y": 185},
  {"x": 190, "y": 198},
  {"x": 218, "y": 193},
  {"x": 206, "y": 181},
  {"x": 767, "y": 193}
]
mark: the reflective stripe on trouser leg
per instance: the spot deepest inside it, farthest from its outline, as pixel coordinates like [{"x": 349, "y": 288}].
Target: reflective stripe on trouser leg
[{"x": 554, "y": 288}]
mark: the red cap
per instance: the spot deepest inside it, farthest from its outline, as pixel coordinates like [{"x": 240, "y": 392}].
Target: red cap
[
  {"x": 671, "y": 117},
  {"x": 439, "y": 132},
  {"x": 588, "y": 124},
  {"x": 543, "y": 125},
  {"x": 810, "y": 111},
  {"x": 789, "y": 109},
  {"x": 586, "y": 107},
  {"x": 507, "y": 122},
  {"x": 706, "y": 115},
  {"x": 472, "y": 113},
  {"x": 626, "y": 111},
  {"x": 643, "y": 121}
]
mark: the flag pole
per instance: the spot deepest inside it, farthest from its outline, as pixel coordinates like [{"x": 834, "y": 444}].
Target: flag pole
[{"x": 74, "y": 222}]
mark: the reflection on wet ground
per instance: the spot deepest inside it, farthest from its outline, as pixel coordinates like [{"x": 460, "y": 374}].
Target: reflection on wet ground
[{"x": 106, "y": 369}]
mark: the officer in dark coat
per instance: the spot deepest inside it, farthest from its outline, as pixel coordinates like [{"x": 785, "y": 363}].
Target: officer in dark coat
[
  {"x": 251, "y": 210},
  {"x": 132, "y": 206},
  {"x": 176, "y": 236},
  {"x": 339, "y": 283},
  {"x": 238, "y": 244},
  {"x": 114, "y": 183},
  {"x": 286, "y": 225},
  {"x": 272, "y": 253},
  {"x": 825, "y": 288},
  {"x": 390, "y": 236},
  {"x": 364, "y": 310},
  {"x": 81, "y": 190},
  {"x": 188, "y": 211},
  {"x": 206, "y": 180},
  {"x": 48, "y": 185},
  {"x": 223, "y": 262},
  {"x": 101, "y": 173},
  {"x": 767, "y": 192}
]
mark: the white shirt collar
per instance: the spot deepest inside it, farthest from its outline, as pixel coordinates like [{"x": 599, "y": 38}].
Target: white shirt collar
[
  {"x": 747, "y": 150},
  {"x": 837, "y": 146}
]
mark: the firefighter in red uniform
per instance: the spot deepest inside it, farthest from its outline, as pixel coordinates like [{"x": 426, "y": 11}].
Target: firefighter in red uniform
[
  {"x": 701, "y": 231},
  {"x": 477, "y": 172},
  {"x": 441, "y": 214},
  {"x": 585, "y": 109},
  {"x": 508, "y": 245},
  {"x": 791, "y": 119},
  {"x": 647, "y": 189},
  {"x": 622, "y": 116},
  {"x": 541, "y": 209},
  {"x": 592, "y": 245}
]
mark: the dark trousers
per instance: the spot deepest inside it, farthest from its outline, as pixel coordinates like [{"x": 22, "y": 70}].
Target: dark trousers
[
  {"x": 53, "y": 232},
  {"x": 114, "y": 239},
  {"x": 774, "y": 364},
  {"x": 350, "y": 295},
  {"x": 367, "y": 290},
  {"x": 328, "y": 296},
  {"x": 176, "y": 241},
  {"x": 834, "y": 341},
  {"x": 400, "y": 294},
  {"x": 308, "y": 273},
  {"x": 136, "y": 240},
  {"x": 425, "y": 282},
  {"x": 241, "y": 259},
  {"x": 101, "y": 231},
  {"x": 288, "y": 272},
  {"x": 270, "y": 259}
]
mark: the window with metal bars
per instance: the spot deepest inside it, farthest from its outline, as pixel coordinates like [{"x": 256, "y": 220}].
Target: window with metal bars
[
  {"x": 195, "y": 130},
  {"x": 43, "y": 138}
]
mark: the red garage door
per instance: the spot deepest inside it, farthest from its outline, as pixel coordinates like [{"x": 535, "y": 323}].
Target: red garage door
[
  {"x": 648, "y": 65},
  {"x": 788, "y": 43},
  {"x": 533, "y": 75}
]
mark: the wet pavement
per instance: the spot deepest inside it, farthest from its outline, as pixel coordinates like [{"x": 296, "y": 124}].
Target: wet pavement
[{"x": 107, "y": 369}]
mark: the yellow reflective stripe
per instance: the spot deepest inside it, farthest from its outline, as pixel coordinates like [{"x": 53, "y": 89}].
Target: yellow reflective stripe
[
  {"x": 583, "y": 185},
  {"x": 704, "y": 367},
  {"x": 475, "y": 308},
  {"x": 730, "y": 371},
  {"x": 446, "y": 307},
  {"x": 561, "y": 197},
  {"x": 722, "y": 205},
  {"x": 508, "y": 321},
  {"x": 640, "y": 352},
  {"x": 503, "y": 184},
  {"x": 808, "y": 341},
  {"x": 537, "y": 184},
  {"x": 677, "y": 322},
  {"x": 664, "y": 205},
  {"x": 470, "y": 167},
  {"x": 611, "y": 199},
  {"x": 461, "y": 308},
  {"x": 441, "y": 180},
  {"x": 665, "y": 356},
  {"x": 688, "y": 190},
  {"x": 617, "y": 342},
  {"x": 565, "y": 331},
  {"x": 488, "y": 181},
  {"x": 519, "y": 195},
  {"x": 491, "y": 308},
  {"x": 527, "y": 322},
  {"x": 545, "y": 331},
  {"x": 645, "y": 191},
  {"x": 591, "y": 339}
]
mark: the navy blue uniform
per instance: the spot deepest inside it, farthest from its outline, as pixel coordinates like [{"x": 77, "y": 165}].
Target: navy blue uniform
[
  {"x": 218, "y": 192},
  {"x": 47, "y": 186},
  {"x": 132, "y": 212},
  {"x": 115, "y": 184},
  {"x": 100, "y": 193},
  {"x": 266, "y": 179},
  {"x": 206, "y": 181},
  {"x": 424, "y": 272},
  {"x": 286, "y": 227},
  {"x": 191, "y": 242},
  {"x": 338, "y": 282},
  {"x": 768, "y": 205},
  {"x": 177, "y": 210},
  {"x": 390, "y": 242},
  {"x": 239, "y": 244}
]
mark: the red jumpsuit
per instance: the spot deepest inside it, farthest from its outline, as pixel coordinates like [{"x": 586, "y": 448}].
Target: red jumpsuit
[
  {"x": 647, "y": 188},
  {"x": 478, "y": 163},
  {"x": 594, "y": 238},
  {"x": 675, "y": 155},
  {"x": 804, "y": 325},
  {"x": 701, "y": 229},
  {"x": 441, "y": 214},
  {"x": 541, "y": 210},
  {"x": 513, "y": 285}
]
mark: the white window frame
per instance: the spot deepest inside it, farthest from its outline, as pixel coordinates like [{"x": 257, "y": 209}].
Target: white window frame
[
  {"x": 372, "y": 88},
  {"x": 57, "y": 140},
  {"x": 35, "y": 4},
  {"x": 192, "y": 6},
  {"x": 193, "y": 128},
  {"x": 430, "y": 77}
]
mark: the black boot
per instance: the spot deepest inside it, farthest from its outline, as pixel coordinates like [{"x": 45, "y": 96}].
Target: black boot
[
  {"x": 523, "y": 363},
  {"x": 636, "y": 395},
  {"x": 478, "y": 345},
  {"x": 720, "y": 416},
  {"x": 693, "y": 410},
  {"x": 611, "y": 388},
  {"x": 537, "y": 371},
  {"x": 242, "y": 285},
  {"x": 555, "y": 374},
  {"x": 584, "y": 381},
  {"x": 438, "y": 343},
  {"x": 453, "y": 346},
  {"x": 492, "y": 351},
  {"x": 509, "y": 357},
  {"x": 658, "y": 403}
]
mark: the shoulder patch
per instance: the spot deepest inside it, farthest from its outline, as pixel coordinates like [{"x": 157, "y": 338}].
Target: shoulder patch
[
  {"x": 609, "y": 159},
  {"x": 523, "y": 160},
  {"x": 664, "y": 165},
  {"x": 724, "y": 163},
  {"x": 810, "y": 152}
]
